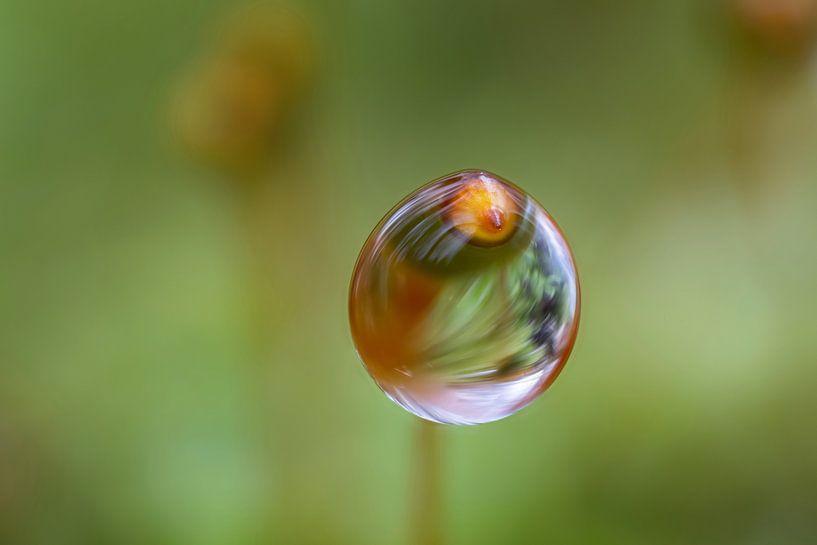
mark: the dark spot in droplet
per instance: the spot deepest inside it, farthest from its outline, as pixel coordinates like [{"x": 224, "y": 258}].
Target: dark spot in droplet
[{"x": 495, "y": 218}]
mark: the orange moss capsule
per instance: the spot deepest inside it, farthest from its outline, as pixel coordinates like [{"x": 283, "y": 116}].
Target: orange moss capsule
[{"x": 483, "y": 210}]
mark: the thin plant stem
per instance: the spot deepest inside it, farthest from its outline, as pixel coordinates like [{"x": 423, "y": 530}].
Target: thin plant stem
[{"x": 426, "y": 527}]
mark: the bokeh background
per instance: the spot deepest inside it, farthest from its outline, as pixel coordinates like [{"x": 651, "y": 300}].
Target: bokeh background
[{"x": 183, "y": 192}]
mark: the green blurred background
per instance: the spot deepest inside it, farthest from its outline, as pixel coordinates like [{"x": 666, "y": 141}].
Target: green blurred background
[{"x": 176, "y": 364}]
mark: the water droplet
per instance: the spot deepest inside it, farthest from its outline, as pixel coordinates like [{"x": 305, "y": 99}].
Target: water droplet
[{"x": 464, "y": 302}]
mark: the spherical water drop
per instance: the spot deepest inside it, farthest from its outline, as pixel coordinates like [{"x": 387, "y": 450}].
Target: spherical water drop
[{"x": 464, "y": 302}]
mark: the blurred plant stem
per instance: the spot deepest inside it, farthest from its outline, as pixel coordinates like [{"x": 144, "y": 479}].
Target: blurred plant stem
[
  {"x": 278, "y": 231},
  {"x": 426, "y": 513},
  {"x": 251, "y": 209},
  {"x": 754, "y": 97},
  {"x": 768, "y": 89},
  {"x": 276, "y": 235}
]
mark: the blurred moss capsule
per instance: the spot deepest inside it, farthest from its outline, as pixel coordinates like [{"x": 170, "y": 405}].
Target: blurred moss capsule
[
  {"x": 782, "y": 26},
  {"x": 231, "y": 107}
]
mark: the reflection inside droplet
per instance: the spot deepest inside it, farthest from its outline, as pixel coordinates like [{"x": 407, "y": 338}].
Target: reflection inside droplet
[{"x": 464, "y": 301}]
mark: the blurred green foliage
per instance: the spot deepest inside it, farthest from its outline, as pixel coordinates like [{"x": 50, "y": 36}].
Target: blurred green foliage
[{"x": 176, "y": 365}]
